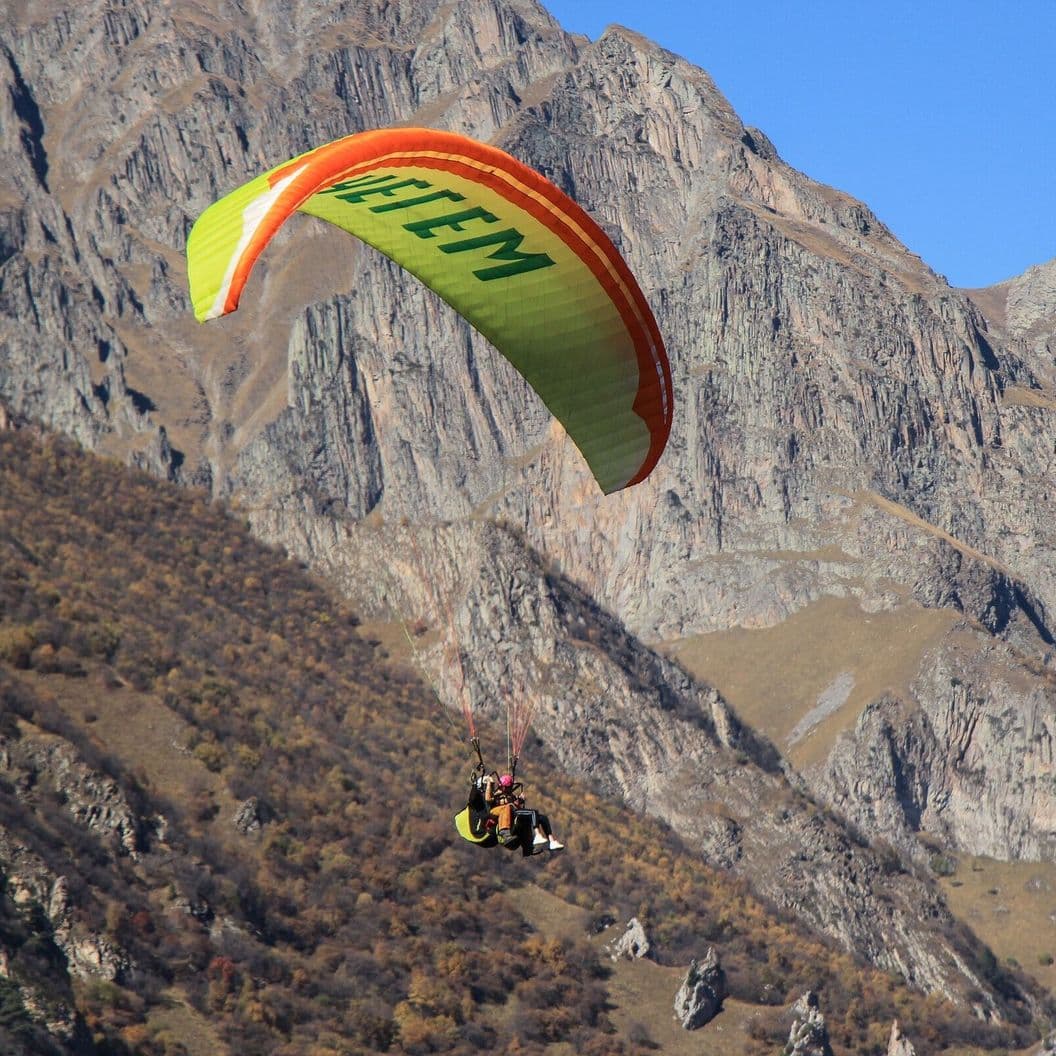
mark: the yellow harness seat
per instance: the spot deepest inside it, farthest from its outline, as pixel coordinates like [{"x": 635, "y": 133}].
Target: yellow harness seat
[{"x": 470, "y": 826}]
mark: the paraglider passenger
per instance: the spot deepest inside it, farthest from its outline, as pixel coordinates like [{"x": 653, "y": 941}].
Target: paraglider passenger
[
  {"x": 498, "y": 795},
  {"x": 504, "y": 800}
]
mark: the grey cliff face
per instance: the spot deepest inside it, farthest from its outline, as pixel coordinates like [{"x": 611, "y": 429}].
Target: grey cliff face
[
  {"x": 1031, "y": 302},
  {"x": 848, "y": 425},
  {"x": 969, "y": 761}
]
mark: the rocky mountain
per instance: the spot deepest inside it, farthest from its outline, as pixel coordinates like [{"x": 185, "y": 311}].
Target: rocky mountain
[
  {"x": 1023, "y": 309},
  {"x": 856, "y": 486}
]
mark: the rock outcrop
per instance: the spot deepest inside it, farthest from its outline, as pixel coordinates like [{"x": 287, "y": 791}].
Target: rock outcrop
[
  {"x": 250, "y": 817},
  {"x": 632, "y": 944},
  {"x": 95, "y": 801},
  {"x": 809, "y": 1036},
  {"x": 899, "y": 1044},
  {"x": 699, "y": 998},
  {"x": 49, "y": 789},
  {"x": 43, "y": 770}
]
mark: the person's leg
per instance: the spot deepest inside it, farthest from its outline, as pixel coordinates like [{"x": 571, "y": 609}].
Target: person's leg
[
  {"x": 545, "y": 833},
  {"x": 528, "y": 824},
  {"x": 503, "y": 819}
]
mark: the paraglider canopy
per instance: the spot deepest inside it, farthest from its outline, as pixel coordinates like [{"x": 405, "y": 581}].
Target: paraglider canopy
[{"x": 512, "y": 253}]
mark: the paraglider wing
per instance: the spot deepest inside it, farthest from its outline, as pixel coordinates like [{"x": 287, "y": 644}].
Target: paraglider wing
[{"x": 502, "y": 245}]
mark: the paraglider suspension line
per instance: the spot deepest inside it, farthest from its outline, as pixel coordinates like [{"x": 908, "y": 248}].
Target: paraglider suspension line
[{"x": 424, "y": 671}]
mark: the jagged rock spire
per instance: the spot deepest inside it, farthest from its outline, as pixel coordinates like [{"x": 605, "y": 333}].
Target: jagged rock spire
[
  {"x": 809, "y": 1036},
  {"x": 702, "y": 992}
]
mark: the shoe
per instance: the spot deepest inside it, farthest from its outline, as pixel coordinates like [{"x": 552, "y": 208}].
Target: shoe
[
  {"x": 555, "y": 846},
  {"x": 539, "y": 841}
]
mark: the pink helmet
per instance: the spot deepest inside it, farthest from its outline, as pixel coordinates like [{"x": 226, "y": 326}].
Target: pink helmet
[{"x": 506, "y": 781}]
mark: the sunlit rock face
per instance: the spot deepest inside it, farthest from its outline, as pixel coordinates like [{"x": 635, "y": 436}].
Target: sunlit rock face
[
  {"x": 809, "y": 1036},
  {"x": 847, "y": 425},
  {"x": 898, "y": 1044}
]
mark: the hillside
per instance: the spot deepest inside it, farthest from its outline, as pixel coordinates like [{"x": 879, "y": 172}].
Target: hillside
[{"x": 227, "y": 824}]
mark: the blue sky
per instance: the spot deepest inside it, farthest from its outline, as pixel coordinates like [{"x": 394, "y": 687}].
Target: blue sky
[{"x": 939, "y": 114}]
